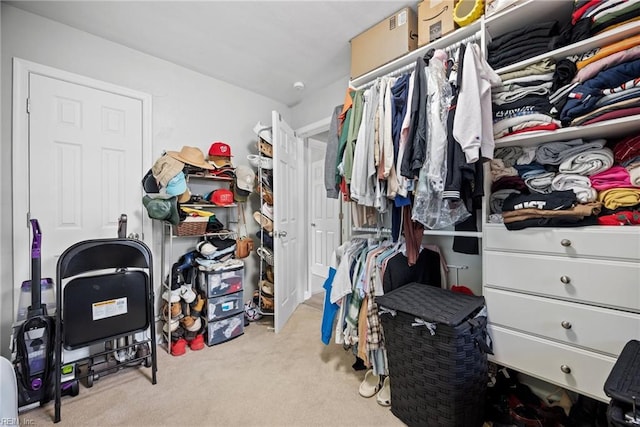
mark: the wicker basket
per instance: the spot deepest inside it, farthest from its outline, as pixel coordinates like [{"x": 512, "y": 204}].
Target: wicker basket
[
  {"x": 192, "y": 226},
  {"x": 437, "y": 379}
]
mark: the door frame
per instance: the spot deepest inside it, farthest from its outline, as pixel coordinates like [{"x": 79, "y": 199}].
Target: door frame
[
  {"x": 20, "y": 150},
  {"x": 306, "y": 132}
]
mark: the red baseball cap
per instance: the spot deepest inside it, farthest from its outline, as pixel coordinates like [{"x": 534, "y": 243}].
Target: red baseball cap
[
  {"x": 220, "y": 149},
  {"x": 222, "y": 197}
]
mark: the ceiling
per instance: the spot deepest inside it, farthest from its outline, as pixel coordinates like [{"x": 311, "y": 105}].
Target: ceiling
[{"x": 262, "y": 46}]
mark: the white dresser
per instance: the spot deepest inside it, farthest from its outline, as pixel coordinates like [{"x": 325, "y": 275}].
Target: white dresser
[{"x": 562, "y": 301}]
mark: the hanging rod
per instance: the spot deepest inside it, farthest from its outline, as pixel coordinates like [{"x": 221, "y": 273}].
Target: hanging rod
[
  {"x": 462, "y": 35},
  {"x": 454, "y": 233}
]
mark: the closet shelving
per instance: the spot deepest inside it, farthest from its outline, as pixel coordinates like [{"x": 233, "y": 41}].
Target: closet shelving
[
  {"x": 544, "y": 286},
  {"x": 569, "y": 296},
  {"x": 168, "y": 253}
]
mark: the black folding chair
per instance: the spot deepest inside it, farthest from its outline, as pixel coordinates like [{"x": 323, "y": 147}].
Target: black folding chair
[{"x": 108, "y": 295}]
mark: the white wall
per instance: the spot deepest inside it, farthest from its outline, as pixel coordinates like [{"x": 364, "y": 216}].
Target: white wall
[
  {"x": 319, "y": 104},
  {"x": 188, "y": 109}
]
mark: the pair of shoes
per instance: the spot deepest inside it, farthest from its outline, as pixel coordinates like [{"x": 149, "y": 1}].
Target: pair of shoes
[
  {"x": 266, "y": 303},
  {"x": 192, "y": 324},
  {"x": 196, "y": 307},
  {"x": 266, "y": 288},
  {"x": 384, "y": 395},
  {"x": 266, "y": 254},
  {"x": 179, "y": 347},
  {"x": 263, "y": 132},
  {"x": 197, "y": 343},
  {"x": 175, "y": 312},
  {"x": 370, "y": 385}
]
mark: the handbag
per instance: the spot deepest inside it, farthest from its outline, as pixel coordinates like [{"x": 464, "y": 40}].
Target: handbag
[{"x": 244, "y": 243}]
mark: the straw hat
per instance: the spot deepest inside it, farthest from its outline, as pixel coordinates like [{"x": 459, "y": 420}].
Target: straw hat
[{"x": 192, "y": 156}]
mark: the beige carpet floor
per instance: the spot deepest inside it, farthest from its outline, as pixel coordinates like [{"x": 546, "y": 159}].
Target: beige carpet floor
[{"x": 258, "y": 379}]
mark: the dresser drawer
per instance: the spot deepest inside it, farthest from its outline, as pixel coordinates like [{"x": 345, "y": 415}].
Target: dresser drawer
[
  {"x": 593, "y": 241},
  {"x": 608, "y": 283},
  {"x": 546, "y": 360},
  {"x": 599, "y": 329}
]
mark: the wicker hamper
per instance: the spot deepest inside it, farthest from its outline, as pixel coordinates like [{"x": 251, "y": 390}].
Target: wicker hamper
[
  {"x": 437, "y": 354},
  {"x": 623, "y": 387}
]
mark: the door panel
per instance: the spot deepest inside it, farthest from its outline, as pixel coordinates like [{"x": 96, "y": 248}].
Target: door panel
[
  {"x": 325, "y": 226},
  {"x": 85, "y": 163},
  {"x": 287, "y": 212}
]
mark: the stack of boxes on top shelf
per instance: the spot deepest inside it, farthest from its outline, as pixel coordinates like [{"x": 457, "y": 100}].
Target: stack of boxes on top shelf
[
  {"x": 405, "y": 31},
  {"x": 263, "y": 298},
  {"x": 202, "y": 297}
]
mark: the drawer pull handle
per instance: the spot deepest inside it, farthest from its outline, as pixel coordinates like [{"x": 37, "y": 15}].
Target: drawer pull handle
[
  {"x": 566, "y": 324},
  {"x": 566, "y": 369},
  {"x": 565, "y": 242},
  {"x": 565, "y": 279}
]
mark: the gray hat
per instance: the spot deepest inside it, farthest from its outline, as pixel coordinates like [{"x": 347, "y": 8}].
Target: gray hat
[{"x": 162, "y": 209}]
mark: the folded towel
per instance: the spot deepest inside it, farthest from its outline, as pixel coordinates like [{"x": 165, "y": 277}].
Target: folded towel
[
  {"x": 509, "y": 155},
  {"x": 540, "y": 183},
  {"x": 581, "y": 185},
  {"x": 588, "y": 163},
  {"x": 554, "y": 153},
  {"x": 499, "y": 170},
  {"x": 614, "y": 177},
  {"x": 615, "y": 198}
]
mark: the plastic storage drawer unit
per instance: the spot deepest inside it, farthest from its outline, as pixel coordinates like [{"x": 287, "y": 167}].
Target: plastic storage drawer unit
[
  {"x": 224, "y": 306},
  {"x": 437, "y": 354},
  {"x": 225, "y": 280},
  {"x": 219, "y": 331}
]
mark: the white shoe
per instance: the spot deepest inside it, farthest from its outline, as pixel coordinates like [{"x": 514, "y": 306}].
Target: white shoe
[
  {"x": 384, "y": 395},
  {"x": 174, "y": 297},
  {"x": 263, "y": 131},
  {"x": 187, "y": 294},
  {"x": 370, "y": 385}
]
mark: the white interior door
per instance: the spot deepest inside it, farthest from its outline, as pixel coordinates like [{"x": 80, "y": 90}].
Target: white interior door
[
  {"x": 289, "y": 269},
  {"x": 85, "y": 164},
  {"x": 324, "y": 226}
]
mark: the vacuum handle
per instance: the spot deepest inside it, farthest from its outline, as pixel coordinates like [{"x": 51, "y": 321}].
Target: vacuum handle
[
  {"x": 36, "y": 271},
  {"x": 37, "y": 239},
  {"x": 122, "y": 226}
]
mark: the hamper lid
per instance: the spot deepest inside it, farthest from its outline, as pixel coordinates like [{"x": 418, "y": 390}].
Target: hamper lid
[
  {"x": 431, "y": 304},
  {"x": 623, "y": 381}
]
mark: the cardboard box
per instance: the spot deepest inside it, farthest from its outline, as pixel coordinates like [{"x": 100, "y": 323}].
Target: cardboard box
[
  {"x": 390, "y": 39},
  {"x": 435, "y": 19}
]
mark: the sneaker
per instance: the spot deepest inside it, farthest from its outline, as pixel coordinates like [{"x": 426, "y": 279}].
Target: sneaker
[
  {"x": 197, "y": 343},
  {"x": 263, "y": 132},
  {"x": 267, "y": 210},
  {"x": 175, "y": 312},
  {"x": 179, "y": 347},
  {"x": 188, "y": 322},
  {"x": 197, "y": 306},
  {"x": 196, "y": 325},
  {"x": 187, "y": 294},
  {"x": 264, "y": 221},
  {"x": 173, "y": 296},
  {"x": 171, "y": 325},
  {"x": 265, "y": 238},
  {"x": 270, "y": 275},
  {"x": 177, "y": 333},
  {"x": 266, "y": 254},
  {"x": 266, "y": 288}
]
